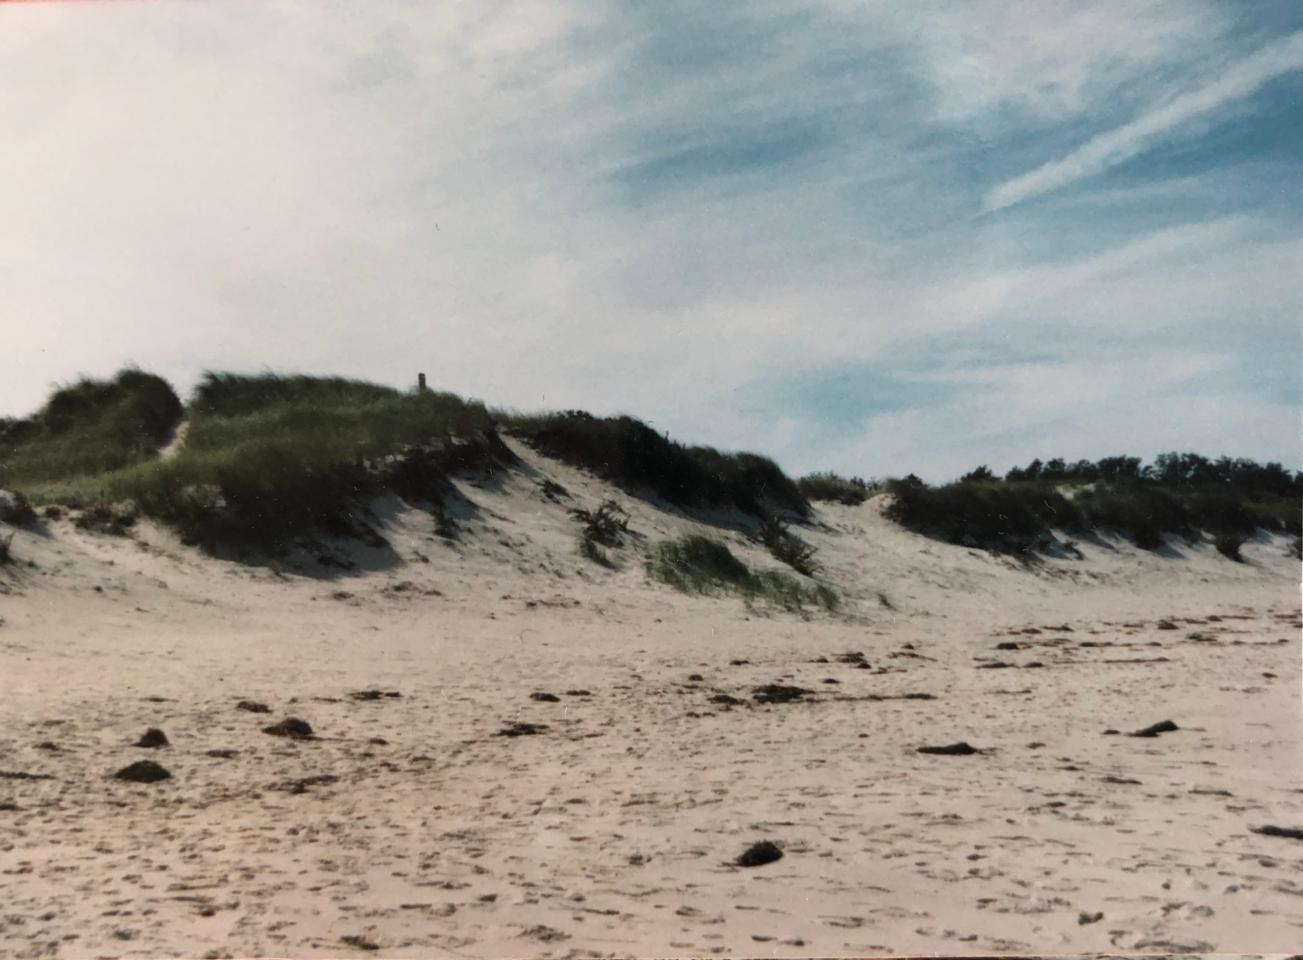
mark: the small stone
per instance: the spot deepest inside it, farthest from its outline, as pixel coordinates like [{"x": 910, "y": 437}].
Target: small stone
[
  {"x": 143, "y": 771},
  {"x": 291, "y": 727},
  {"x": 758, "y": 854},
  {"x": 152, "y": 739},
  {"x": 960, "y": 749},
  {"x": 1153, "y": 730}
]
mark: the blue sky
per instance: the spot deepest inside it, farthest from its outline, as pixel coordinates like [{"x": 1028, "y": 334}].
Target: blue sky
[{"x": 868, "y": 236}]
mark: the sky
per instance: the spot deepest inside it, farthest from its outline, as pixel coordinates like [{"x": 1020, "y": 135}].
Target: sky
[{"x": 874, "y": 237}]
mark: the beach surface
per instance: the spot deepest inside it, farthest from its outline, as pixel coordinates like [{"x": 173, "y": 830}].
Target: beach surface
[{"x": 518, "y": 752}]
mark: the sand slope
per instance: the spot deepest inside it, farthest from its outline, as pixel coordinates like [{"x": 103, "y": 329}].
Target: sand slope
[{"x": 412, "y": 827}]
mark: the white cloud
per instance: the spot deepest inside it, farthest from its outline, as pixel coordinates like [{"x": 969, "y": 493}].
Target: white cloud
[{"x": 1118, "y": 145}]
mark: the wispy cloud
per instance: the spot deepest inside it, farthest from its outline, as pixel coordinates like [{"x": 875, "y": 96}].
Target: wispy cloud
[{"x": 1121, "y": 144}]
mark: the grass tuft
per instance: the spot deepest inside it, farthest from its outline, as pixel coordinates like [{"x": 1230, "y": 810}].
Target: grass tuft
[
  {"x": 786, "y": 547},
  {"x": 700, "y": 565},
  {"x": 833, "y": 488}
]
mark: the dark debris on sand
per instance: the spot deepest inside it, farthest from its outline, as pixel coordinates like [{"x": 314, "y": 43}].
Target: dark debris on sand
[
  {"x": 152, "y": 739},
  {"x": 779, "y": 693},
  {"x": 723, "y": 699},
  {"x": 358, "y": 942},
  {"x": 375, "y": 694},
  {"x": 291, "y": 727},
  {"x": 253, "y": 706},
  {"x": 960, "y": 749},
  {"x": 143, "y": 771},
  {"x": 301, "y": 785},
  {"x": 542, "y": 697},
  {"x": 522, "y": 729},
  {"x": 758, "y": 854},
  {"x": 1288, "y": 833},
  {"x": 1153, "y": 730}
]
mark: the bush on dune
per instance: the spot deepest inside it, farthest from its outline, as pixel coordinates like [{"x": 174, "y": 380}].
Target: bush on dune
[{"x": 630, "y": 453}]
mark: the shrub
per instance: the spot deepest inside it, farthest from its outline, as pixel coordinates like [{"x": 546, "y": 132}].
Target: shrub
[
  {"x": 630, "y": 453},
  {"x": 832, "y": 488},
  {"x": 1228, "y": 545},
  {"x": 6, "y": 550},
  {"x": 115, "y": 520},
  {"x": 15, "y": 509},
  {"x": 697, "y": 564},
  {"x": 1295, "y": 549},
  {"x": 995, "y": 515},
  {"x": 1144, "y": 513},
  {"x": 786, "y": 547},
  {"x": 606, "y": 526}
]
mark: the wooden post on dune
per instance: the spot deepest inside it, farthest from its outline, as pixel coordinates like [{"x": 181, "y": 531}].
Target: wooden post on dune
[{"x": 420, "y": 383}]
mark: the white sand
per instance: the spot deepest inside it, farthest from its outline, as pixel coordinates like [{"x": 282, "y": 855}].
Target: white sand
[{"x": 612, "y": 832}]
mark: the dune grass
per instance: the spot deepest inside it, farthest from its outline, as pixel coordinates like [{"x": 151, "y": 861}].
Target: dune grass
[
  {"x": 87, "y": 428},
  {"x": 833, "y": 488},
  {"x": 268, "y": 458},
  {"x": 630, "y": 453},
  {"x": 701, "y": 565}
]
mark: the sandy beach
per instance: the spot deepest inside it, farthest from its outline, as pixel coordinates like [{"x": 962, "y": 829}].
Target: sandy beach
[{"x": 517, "y": 752}]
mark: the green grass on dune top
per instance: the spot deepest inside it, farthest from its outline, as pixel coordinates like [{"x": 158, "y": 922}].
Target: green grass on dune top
[
  {"x": 89, "y": 428},
  {"x": 269, "y": 457}
]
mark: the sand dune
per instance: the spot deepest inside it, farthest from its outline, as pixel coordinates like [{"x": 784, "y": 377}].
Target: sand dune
[{"x": 644, "y": 756}]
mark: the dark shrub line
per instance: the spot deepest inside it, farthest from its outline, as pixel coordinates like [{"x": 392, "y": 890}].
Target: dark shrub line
[
  {"x": 1180, "y": 494},
  {"x": 630, "y": 453}
]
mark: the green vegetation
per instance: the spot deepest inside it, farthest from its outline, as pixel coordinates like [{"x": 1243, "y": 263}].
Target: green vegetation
[
  {"x": 633, "y": 455},
  {"x": 607, "y": 526},
  {"x": 269, "y": 458},
  {"x": 833, "y": 488},
  {"x": 701, "y": 565},
  {"x": 1180, "y": 494},
  {"x": 89, "y": 428},
  {"x": 15, "y": 509},
  {"x": 786, "y": 547},
  {"x": 1228, "y": 545}
]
